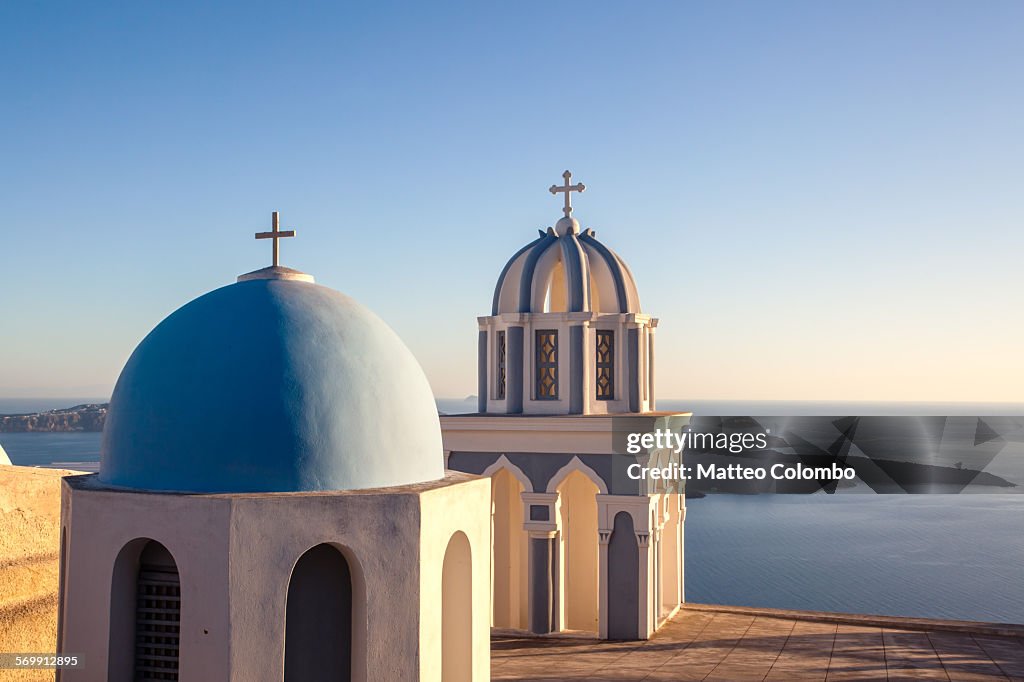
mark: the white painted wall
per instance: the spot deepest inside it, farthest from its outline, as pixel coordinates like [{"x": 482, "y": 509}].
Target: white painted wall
[
  {"x": 235, "y": 554},
  {"x": 446, "y": 511}
]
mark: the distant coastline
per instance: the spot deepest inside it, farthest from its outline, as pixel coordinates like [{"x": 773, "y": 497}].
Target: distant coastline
[
  {"x": 84, "y": 417},
  {"x": 46, "y": 415}
]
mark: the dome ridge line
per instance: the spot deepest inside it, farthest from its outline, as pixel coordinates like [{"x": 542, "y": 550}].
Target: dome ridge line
[
  {"x": 614, "y": 265},
  {"x": 529, "y": 267},
  {"x": 508, "y": 266},
  {"x": 576, "y": 274}
]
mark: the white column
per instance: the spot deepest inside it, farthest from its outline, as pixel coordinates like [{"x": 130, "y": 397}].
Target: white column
[
  {"x": 682, "y": 549},
  {"x": 603, "y": 536},
  {"x": 587, "y": 362},
  {"x": 543, "y": 561},
  {"x": 644, "y": 624},
  {"x": 657, "y": 569},
  {"x": 651, "y": 401}
]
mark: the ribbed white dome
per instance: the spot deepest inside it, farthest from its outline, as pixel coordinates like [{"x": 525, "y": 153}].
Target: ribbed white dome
[{"x": 565, "y": 270}]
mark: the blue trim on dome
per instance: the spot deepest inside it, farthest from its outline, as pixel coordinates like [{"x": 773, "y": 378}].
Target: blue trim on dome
[
  {"x": 573, "y": 260},
  {"x": 526, "y": 280},
  {"x": 508, "y": 266},
  {"x": 616, "y": 269}
]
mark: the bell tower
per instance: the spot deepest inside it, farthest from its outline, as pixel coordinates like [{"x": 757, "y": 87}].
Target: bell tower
[
  {"x": 566, "y": 334},
  {"x": 565, "y": 371}
]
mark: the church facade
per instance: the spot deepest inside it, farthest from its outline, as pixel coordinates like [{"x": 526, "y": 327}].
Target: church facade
[{"x": 565, "y": 370}]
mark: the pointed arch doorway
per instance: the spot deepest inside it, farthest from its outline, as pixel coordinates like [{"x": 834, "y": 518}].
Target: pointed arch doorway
[
  {"x": 578, "y": 552},
  {"x": 509, "y": 553}
]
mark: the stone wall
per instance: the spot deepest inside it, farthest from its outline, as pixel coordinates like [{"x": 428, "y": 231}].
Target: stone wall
[{"x": 29, "y": 557}]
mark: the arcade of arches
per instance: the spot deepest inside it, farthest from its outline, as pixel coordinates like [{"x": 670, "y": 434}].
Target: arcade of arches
[{"x": 552, "y": 557}]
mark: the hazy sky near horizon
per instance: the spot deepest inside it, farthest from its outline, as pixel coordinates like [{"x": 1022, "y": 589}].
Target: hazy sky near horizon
[{"x": 819, "y": 200}]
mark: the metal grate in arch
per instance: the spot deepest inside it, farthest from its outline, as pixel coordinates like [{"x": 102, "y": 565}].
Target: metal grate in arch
[{"x": 157, "y": 623}]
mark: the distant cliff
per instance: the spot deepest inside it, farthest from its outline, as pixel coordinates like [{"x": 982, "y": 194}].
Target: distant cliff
[{"x": 78, "y": 418}]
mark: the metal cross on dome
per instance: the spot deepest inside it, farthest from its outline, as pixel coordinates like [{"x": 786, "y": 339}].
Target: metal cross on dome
[
  {"x": 567, "y": 188},
  {"x": 276, "y": 234}
]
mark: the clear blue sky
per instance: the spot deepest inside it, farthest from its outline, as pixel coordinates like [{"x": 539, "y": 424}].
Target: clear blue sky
[{"x": 819, "y": 200}]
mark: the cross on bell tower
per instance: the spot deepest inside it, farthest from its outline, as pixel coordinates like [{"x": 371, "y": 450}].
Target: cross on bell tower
[
  {"x": 566, "y": 189},
  {"x": 276, "y": 234}
]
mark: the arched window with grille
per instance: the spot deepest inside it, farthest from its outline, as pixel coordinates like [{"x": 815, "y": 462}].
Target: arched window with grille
[
  {"x": 157, "y": 615},
  {"x": 145, "y": 614},
  {"x": 546, "y": 364}
]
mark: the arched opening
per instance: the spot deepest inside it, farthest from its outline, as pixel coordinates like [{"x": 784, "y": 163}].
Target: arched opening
[
  {"x": 318, "y": 629},
  {"x": 623, "y": 580},
  {"x": 578, "y": 552},
  {"x": 555, "y": 294},
  {"x": 457, "y": 611},
  {"x": 157, "y": 614},
  {"x": 145, "y": 613},
  {"x": 509, "y": 553}
]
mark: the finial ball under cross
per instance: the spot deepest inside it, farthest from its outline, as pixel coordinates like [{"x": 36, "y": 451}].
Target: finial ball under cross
[
  {"x": 276, "y": 234},
  {"x": 567, "y": 188}
]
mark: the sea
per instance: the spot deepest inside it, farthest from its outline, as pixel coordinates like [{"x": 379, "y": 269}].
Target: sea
[{"x": 932, "y": 556}]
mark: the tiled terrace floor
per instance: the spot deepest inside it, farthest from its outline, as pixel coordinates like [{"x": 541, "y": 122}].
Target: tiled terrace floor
[{"x": 735, "y": 647}]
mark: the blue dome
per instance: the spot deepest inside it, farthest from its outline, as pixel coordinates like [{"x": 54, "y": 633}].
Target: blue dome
[{"x": 271, "y": 385}]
